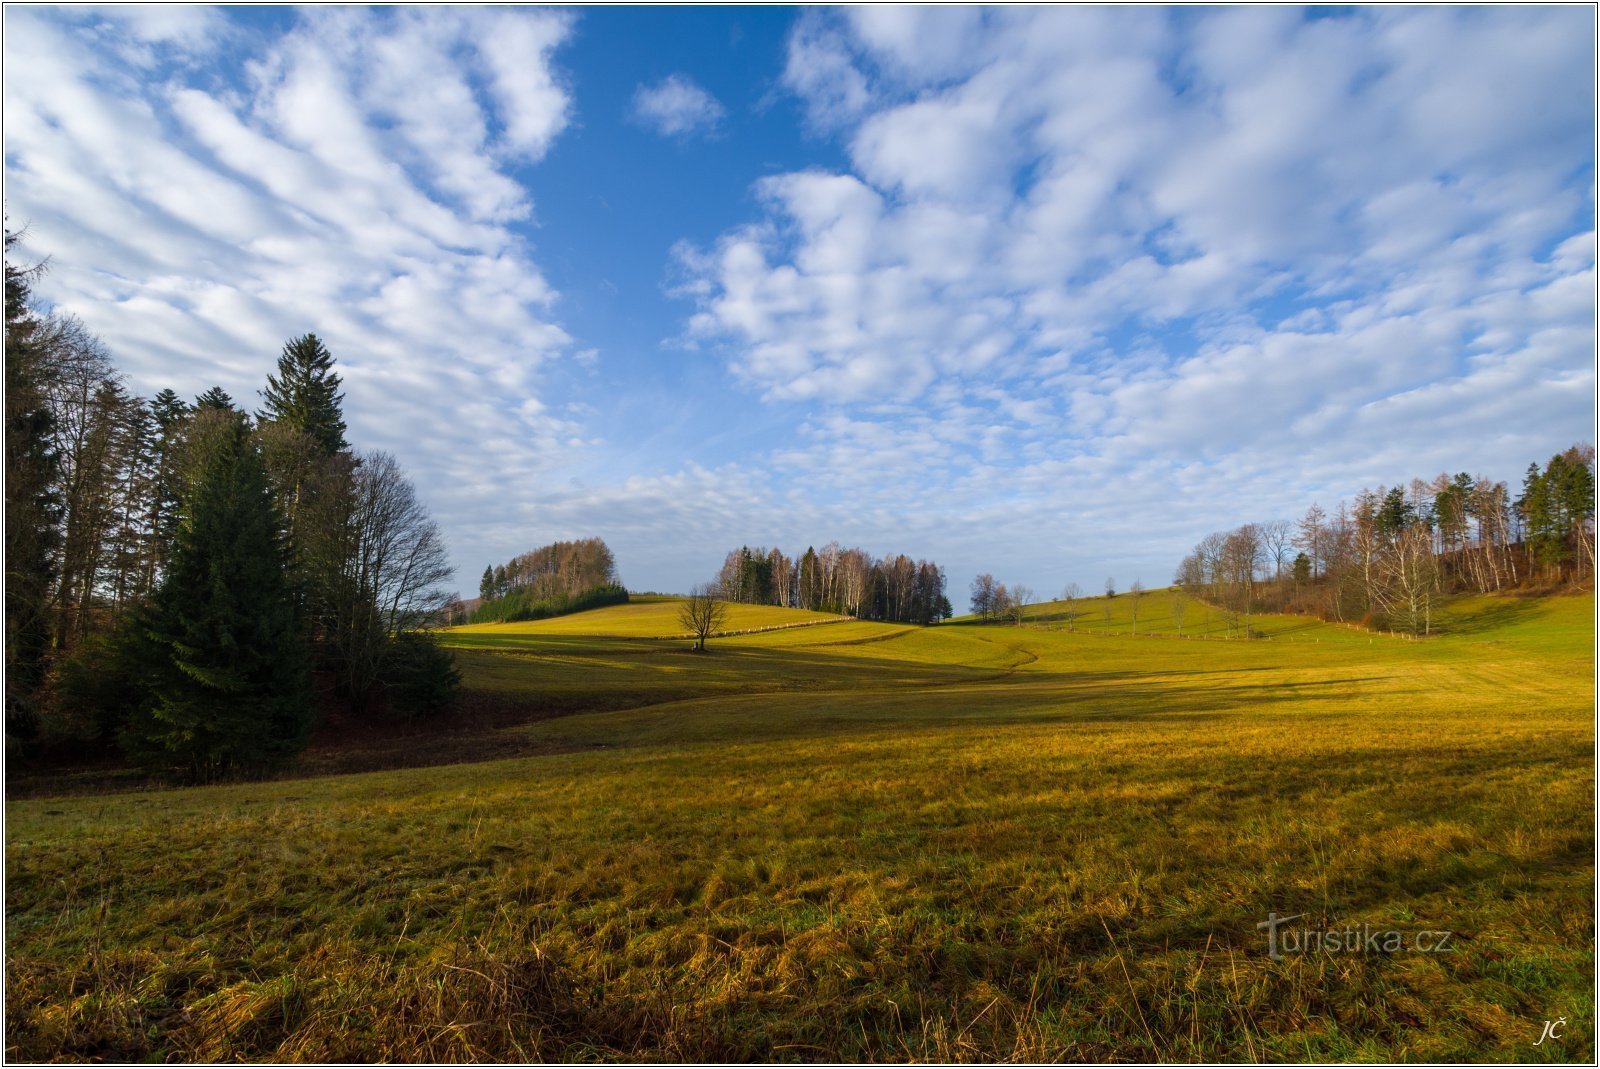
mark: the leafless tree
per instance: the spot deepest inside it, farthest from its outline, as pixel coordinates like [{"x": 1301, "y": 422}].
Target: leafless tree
[
  {"x": 377, "y": 563},
  {"x": 983, "y": 596},
  {"x": 1071, "y": 596},
  {"x": 1208, "y": 558},
  {"x": 703, "y": 614},
  {"x": 1241, "y": 557},
  {"x": 1277, "y": 539},
  {"x": 855, "y": 565},
  {"x": 1309, "y": 537},
  {"x": 1021, "y": 598},
  {"x": 1408, "y": 579},
  {"x": 1135, "y": 592}
]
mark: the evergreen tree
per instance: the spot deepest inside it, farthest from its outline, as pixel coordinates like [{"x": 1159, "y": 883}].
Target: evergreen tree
[
  {"x": 486, "y": 584},
  {"x": 227, "y": 685},
  {"x": 214, "y": 398},
  {"x": 169, "y": 412},
  {"x": 1395, "y": 513},
  {"x": 305, "y": 394},
  {"x": 420, "y": 677},
  {"x": 32, "y": 507}
]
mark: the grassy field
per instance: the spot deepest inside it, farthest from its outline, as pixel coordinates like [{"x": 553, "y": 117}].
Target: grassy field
[{"x": 864, "y": 841}]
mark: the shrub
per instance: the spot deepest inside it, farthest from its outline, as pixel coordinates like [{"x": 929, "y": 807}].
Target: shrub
[
  {"x": 98, "y": 689},
  {"x": 420, "y": 676}
]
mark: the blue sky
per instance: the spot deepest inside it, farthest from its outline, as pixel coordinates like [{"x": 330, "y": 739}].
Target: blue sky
[{"x": 1047, "y": 292}]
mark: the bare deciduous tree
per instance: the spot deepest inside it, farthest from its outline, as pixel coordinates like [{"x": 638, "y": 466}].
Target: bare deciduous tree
[
  {"x": 703, "y": 614},
  {"x": 1070, "y": 596},
  {"x": 1021, "y": 597},
  {"x": 1277, "y": 539},
  {"x": 377, "y": 564},
  {"x": 1309, "y": 537},
  {"x": 1135, "y": 592},
  {"x": 983, "y": 596}
]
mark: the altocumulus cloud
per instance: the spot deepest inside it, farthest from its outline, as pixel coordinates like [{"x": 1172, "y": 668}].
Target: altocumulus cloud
[
  {"x": 1093, "y": 272},
  {"x": 1088, "y": 283},
  {"x": 207, "y": 190}
]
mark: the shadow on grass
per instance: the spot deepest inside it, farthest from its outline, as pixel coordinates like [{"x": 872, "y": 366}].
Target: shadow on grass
[{"x": 1496, "y": 615}]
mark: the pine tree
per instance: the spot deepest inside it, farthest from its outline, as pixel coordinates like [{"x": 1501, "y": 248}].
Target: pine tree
[
  {"x": 227, "y": 684},
  {"x": 486, "y": 584},
  {"x": 305, "y": 394},
  {"x": 216, "y": 398}
]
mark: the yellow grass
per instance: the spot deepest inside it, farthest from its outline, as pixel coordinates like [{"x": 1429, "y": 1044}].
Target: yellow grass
[{"x": 652, "y": 618}]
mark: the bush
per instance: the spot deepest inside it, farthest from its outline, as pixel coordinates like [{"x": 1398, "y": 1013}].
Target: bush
[
  {"x": 99, "y": 688},
  {"x": 420, "y": 678}
]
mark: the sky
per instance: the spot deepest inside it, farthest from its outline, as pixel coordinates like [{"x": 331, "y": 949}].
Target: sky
[{"x": 1049, "y": 293}]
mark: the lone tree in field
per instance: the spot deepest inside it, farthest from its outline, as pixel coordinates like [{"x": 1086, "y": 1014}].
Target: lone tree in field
[
  {"x": 1071, "y": 595},
  {"x": 702, "y": 615},
  {"x": 1135, "y": 592}
]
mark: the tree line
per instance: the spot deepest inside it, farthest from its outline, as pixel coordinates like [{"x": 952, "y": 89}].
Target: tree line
[
  {"x": 559, "y": 578},
  {"x": 846, "y": 581},
  {"x": 179, "y": 573},
  {"x": 1388, "y": 557}
]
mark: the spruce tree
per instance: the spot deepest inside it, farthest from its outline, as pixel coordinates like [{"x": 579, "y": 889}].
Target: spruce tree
[
  {"x": 214, "y": 398},
  {"x": 170, "y": 414},
  {"x": 304, "y": 394},
  {"x": 227, "y": 684},
  {"x": 32, "y": 506}
]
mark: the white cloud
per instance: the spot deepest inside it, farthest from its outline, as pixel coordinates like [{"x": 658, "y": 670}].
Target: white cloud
[
  {"x": 820, "y": 69},
  {"x": 1312, "y": 252},
  {"x": 1066, "y": 186},
  {"x": 356, "y": 183},
  {"x": 677, "y": 107},
  {"x": 533, "y": 105}
]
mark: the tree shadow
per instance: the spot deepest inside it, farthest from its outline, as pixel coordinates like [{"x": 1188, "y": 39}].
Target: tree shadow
[{"x": 1496, "y": 615}]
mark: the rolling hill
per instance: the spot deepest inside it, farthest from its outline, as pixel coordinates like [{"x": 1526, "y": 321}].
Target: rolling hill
[{"x": 851, "y": 840}]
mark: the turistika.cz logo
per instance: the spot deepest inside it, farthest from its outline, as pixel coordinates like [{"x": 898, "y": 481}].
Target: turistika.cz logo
[{"x": 1283, "y": 939}]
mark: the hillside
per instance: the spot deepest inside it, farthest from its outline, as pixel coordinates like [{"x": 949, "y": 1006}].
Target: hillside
[
  {"x": 647, "y": 617},
  {"x": 866, "y": 841}
]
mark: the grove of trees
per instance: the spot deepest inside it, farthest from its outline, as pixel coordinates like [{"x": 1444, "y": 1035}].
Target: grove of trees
[
  {"x": 176, "y": 573},
  {"x": 1390, "y": 556},
  {"x": 993, "y": 600},
  {"x": 559, "y": 578},
  {"x": 833, "y": 579}
]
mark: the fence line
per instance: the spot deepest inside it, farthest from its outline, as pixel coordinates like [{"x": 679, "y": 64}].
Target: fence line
[{"x": 772, "y": 627}]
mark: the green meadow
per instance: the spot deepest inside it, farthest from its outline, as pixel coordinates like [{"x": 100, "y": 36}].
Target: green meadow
[{"x": 854, "y": 841}]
